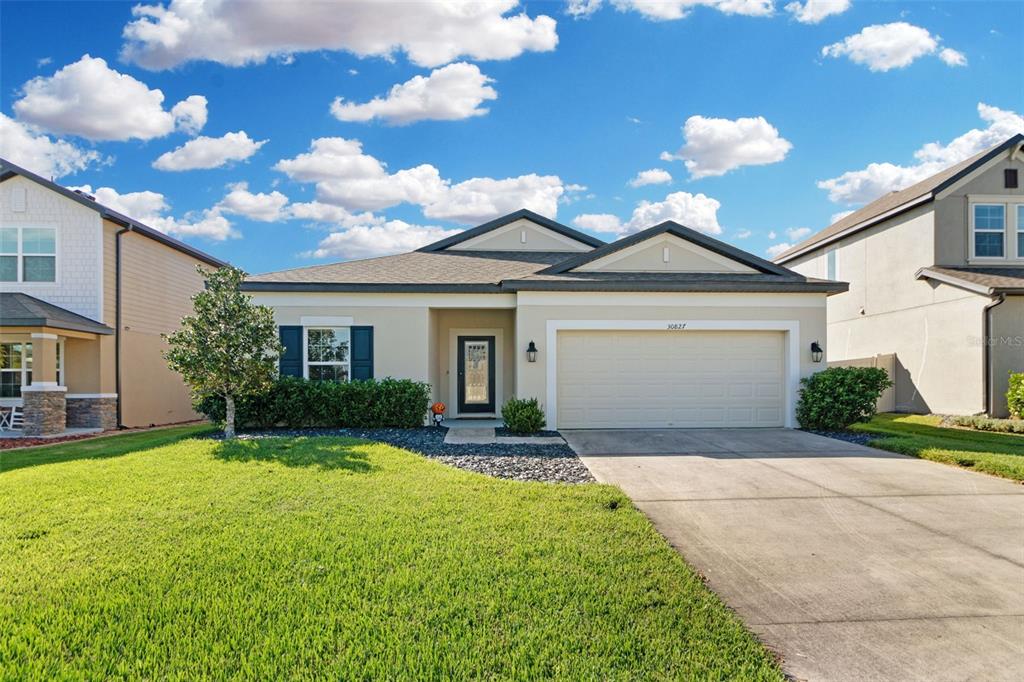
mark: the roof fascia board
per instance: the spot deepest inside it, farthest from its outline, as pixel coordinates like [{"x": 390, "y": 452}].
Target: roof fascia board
[
  {"x": 505, "y": 220},
  {"x": 682, "y": 232},
  {"x": 647, "y": 286},
  {"x": 870, "y": 222},
  {"x": 365, "y": 287},
  {"x": 10, "y": 170}
]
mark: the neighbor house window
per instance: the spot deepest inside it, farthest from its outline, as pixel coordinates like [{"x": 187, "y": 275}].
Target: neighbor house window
[
  {"x": 830, "y": 261},
  {"x": 1020, "y": 230},
  {"x": 327, "y": 353},
  {"x": 28, "y": 254},
  {"x": 989, "y": 230},
  {"x": 15, "y": 368}
]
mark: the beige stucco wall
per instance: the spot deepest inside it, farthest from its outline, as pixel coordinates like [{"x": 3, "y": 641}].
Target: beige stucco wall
[
  {"x": 448, "y": 320},
  {"x": 157, "y": 283},
  {"x": 1007, "y": 334},
  {"x": 952, "y": 247},
  {"x": 933, "y": 330},
  {"x": 536, "y": 309}
]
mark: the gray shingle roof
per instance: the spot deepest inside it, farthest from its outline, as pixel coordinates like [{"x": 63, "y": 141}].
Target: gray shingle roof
[
  {"x": 987, "y": 281},
  {"x": 878, "y": 209},
  {"x": 22, "y": 310}
]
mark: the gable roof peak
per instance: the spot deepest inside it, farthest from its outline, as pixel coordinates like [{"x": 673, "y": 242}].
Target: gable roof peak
[{"x": 523, "y": 213}]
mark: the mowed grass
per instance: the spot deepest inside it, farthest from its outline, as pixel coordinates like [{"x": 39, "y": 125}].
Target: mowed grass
[
  {"x": 337, "y": 558},
  {"x": 1001, "y": 454}
]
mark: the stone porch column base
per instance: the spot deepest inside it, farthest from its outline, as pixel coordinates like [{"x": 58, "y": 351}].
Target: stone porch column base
[
  {"x": 45, "y": 409},
  {"x": 92, "y": 410}
]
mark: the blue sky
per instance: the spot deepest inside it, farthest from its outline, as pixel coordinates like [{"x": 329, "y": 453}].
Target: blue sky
[{"x": 782, "y": 131}]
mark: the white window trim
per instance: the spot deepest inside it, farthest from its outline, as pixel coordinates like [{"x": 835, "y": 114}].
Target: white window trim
[
  {"x": 305, "y": 350},
  {"x": 61, "y": 371},
  {"x": 21, "y": 254},
  {"x": 1013, "y": 230},
  {"x": 1018, "y": 214},
  {"x": 792, "y": 350}
]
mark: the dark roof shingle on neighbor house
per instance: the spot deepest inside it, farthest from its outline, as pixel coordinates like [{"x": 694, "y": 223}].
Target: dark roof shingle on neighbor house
[
  {"x": 22, "y": 310},
  {"x": 898, "y": 201}
]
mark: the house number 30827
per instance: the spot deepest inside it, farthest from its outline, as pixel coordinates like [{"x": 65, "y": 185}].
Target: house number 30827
[{"x": 676, "y": 326}]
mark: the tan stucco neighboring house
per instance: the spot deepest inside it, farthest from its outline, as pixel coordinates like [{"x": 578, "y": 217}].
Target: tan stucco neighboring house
[
  {"x": 664, "y": 328},
  {"x": 936, "y": 275},
  {"x": 85, "y": 294}
]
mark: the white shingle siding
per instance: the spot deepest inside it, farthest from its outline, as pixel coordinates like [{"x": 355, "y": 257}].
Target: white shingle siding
[{"x": 79, "y": 285}]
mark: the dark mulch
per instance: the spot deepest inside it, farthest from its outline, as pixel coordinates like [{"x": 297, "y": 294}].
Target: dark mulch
[
  {"x": 12, "y": 443},
  {"x": 527, "y": 462},
  {"x": 848, "y": 436},
  {"x": 505, "y": 431}
]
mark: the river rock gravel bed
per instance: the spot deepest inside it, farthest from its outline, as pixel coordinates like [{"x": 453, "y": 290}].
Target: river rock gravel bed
[{"x": 520, "y": 462}]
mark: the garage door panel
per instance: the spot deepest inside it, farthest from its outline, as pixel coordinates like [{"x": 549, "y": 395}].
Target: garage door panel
[{"x": 622, "y": 379}]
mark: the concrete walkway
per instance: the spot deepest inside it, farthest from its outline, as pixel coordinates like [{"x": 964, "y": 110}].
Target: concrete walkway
[{"x": 852, "y": 563}]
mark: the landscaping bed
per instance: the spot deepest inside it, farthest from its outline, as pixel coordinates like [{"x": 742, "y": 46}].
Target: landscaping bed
[
  {"x": 135, "y": 557},
  {"x": 549, "y": 463}
]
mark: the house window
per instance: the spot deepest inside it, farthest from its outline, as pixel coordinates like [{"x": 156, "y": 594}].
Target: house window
[
  {"x": 327, "y": 353},
  {"x": 989, "y": 230},
  {"x": 1020, "y": 230},
  {"x": 28, "y": 254},
  {"x": 830, "y": 261},
  {"x": 15, "y": 368}
]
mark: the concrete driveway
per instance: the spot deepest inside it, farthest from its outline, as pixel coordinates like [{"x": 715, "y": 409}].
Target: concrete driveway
[{"x": 852, "y": 563}]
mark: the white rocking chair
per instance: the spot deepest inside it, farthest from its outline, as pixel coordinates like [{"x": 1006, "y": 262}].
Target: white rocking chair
[{"x": 13, "y": 419}]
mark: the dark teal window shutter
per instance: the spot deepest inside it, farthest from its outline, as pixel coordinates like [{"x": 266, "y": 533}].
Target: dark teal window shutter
[
  {"x": 362, "y": 353},
  {"x": 290, "y": 364}
]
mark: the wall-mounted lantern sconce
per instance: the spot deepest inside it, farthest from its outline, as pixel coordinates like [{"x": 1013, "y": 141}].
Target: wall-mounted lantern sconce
[
  {"x": 816, "y": 352},
  {"x": 531, "y": 352}
]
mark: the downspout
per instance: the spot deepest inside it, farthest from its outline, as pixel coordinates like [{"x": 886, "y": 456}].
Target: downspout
[
  {"x": 117, "y": 320},
  {"x": 987, "y": 350}
]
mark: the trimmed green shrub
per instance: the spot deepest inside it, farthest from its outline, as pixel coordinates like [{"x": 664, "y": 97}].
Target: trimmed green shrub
[
  {"x": 833, "y": 399},
  {"x": 1015, "y": 396},
  {"x": 292, "y": 402},
  {"x": 979, "y": 423},
  {"x": 523, "y": 416}
]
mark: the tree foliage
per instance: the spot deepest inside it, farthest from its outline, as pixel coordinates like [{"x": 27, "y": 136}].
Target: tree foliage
[{"x": 229, "y": 347}]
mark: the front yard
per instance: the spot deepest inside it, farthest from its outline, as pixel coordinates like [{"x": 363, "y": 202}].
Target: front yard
[
  {"x": 922, "y": 436},
  {"x": 144, "y": 556}
]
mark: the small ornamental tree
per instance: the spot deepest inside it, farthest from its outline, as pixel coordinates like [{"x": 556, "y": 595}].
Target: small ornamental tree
[{"x": 229, "y": 347}]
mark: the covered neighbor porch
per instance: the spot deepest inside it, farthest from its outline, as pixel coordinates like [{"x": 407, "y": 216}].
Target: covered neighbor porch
[{"x": 56, "y": 367}]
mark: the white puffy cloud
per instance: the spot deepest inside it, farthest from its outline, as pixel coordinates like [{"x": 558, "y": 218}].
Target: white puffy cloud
[
  {"x": 238, "y": 32},
  {"x": 743, "y": 234},
  {"x": 715, "y": 146},
  {"x": 836, "y": 217},
  {"x": 665, "y": 10},
  {"x": 451, "y": 93},
  {"x": 351, "y": 179},
  {"x": 778, "y": 249},
  {"x": 40, "y": 154},
  {"x": 265, "y": 207},
  {"x": 91, "y": 100},
  {"x": 860, "y": 186},
  {"x": 367, "y": 241},
  {"x": 654, "y": 176},
  {"x": 815, "y": 11},
  {"x": 190, "y": 114},
  {"x": 795, "y": 234},
  {"x": 582, "y": 9},
  {"x": 882, "y": 47},
  {"x": 330, "y": 214},
  {"x": 209, "y": 152},
  {"x": 697, "y": 211},
  {"x": 149, "y": 208},
  {"x": 952, "y": 57}
]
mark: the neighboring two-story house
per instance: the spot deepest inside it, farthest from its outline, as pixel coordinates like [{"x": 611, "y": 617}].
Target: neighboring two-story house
[
  {"x": 85, "y": 294},
  {"x": 936, "y": 275}
]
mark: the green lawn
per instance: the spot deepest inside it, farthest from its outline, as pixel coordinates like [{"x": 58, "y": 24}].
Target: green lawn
[
  {"x": 316, "y": 558},
  {"x": 1001, "y": 454}
]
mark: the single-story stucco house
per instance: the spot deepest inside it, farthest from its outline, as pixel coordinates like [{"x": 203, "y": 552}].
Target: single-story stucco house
[
  {"x": 85, "y": 294},
  {"x": 664, "y": 328},
  {"x": 936, "y": 274}
]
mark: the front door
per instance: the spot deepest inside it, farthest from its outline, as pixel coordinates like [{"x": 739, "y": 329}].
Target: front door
[{"x": 476, "y": 374}]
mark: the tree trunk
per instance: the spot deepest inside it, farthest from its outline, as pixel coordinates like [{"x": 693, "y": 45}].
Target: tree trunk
[{"x": 229, "y": 416}]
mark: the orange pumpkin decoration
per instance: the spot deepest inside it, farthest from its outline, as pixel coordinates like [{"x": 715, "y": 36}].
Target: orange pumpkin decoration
[{"x": 438, "y": 408}]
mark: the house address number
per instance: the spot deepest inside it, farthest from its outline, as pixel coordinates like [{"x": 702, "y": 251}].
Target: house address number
[{"x": 676, "y": 326}]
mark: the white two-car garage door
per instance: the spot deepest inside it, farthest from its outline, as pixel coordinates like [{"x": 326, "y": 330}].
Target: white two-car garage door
[{"x": 678, "y": 379}]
